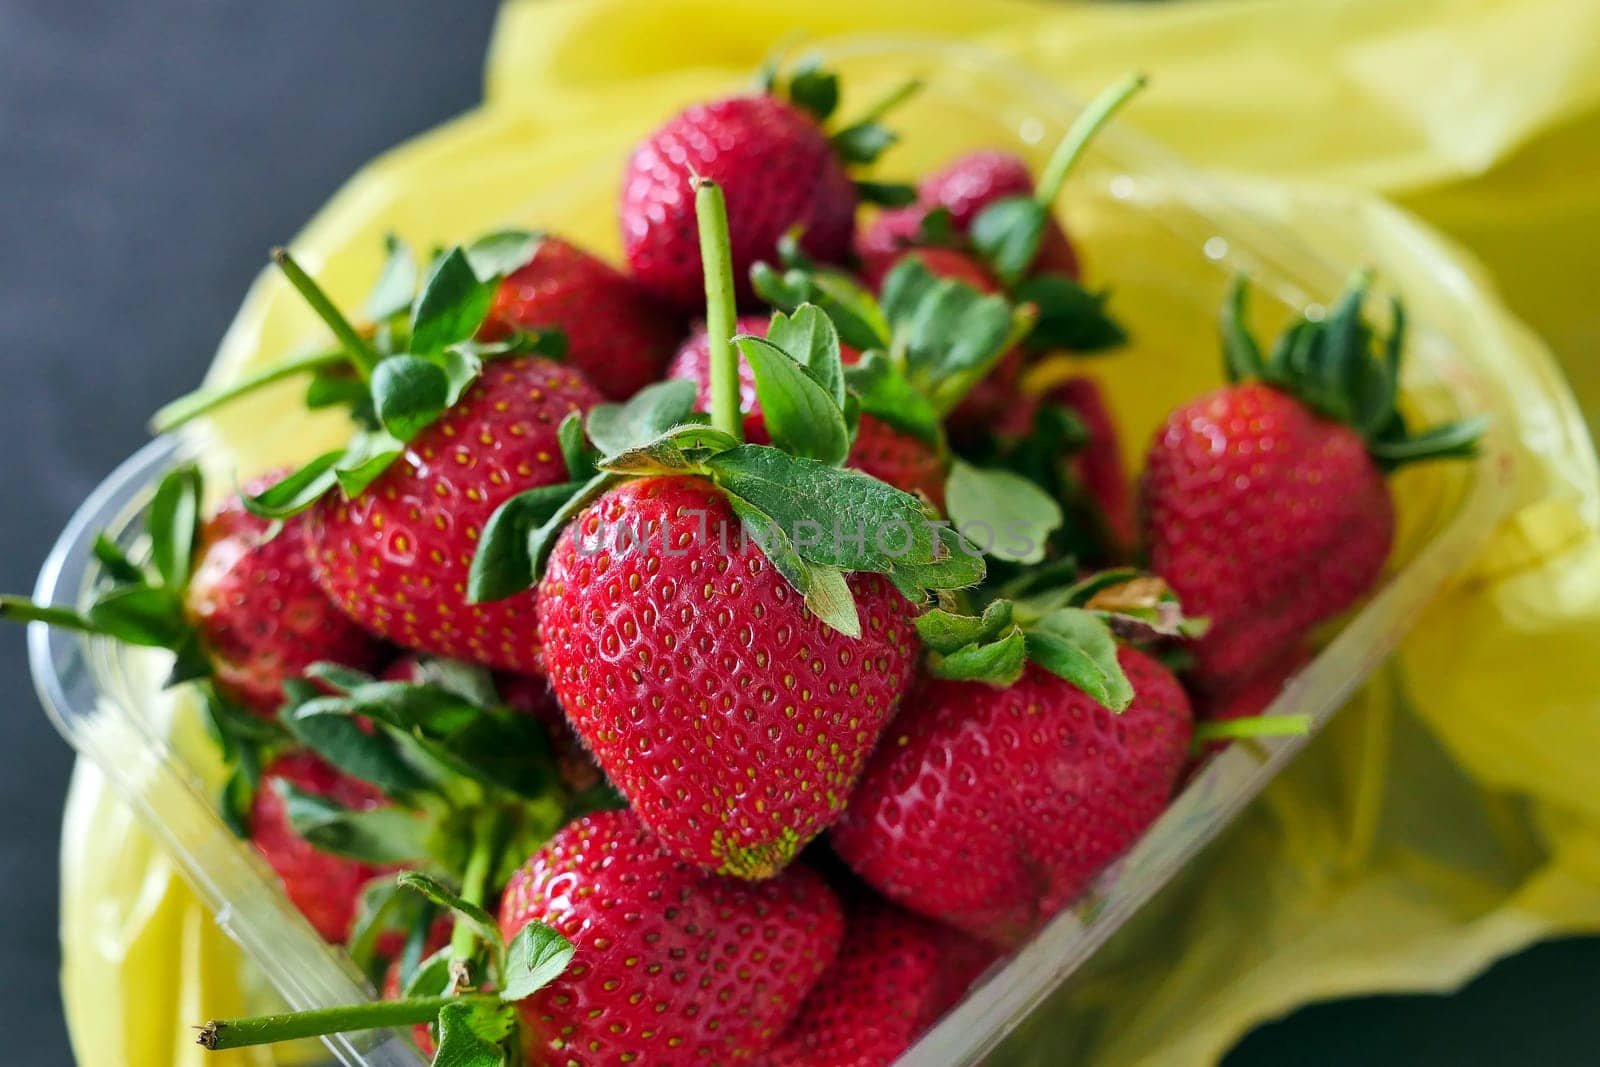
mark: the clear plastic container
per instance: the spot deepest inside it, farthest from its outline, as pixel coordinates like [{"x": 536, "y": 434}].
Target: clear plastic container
[{"x": 1165, "y": 241}]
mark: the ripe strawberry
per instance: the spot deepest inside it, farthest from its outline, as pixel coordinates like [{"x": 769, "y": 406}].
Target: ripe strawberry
[
  {"x": 395, "y": 557},
  {"x": 733, "y": 719},
  {"x": 616, "y": 333},
  {"x": 970, "y": 183},
  {"x": 256, "y": 606},
  {"x": 992, "y": 809},
  {"x": 1264, "y": 503},
  {"x": 1097, "y": 465},
  {"x": 895, "y": 975},
  {"x": 880, "y": 244},
  {"x": 673, "y": 965},
  {"x": 693, "y": 363},
  {"x": 326, "y": 888}
]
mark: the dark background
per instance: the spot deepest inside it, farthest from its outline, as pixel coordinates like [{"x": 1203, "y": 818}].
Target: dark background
[{"x": 150, "y": 154}]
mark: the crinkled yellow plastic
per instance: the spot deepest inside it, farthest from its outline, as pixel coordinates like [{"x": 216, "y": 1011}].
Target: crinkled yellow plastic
[{"x": 1448, "y": 816}]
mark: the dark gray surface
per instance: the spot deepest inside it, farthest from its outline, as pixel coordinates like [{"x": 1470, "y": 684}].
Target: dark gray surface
[{"x": 150, "y": 154}]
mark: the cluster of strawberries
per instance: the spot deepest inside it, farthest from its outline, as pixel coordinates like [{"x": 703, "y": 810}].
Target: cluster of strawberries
[{"x": 773, "y": 675}]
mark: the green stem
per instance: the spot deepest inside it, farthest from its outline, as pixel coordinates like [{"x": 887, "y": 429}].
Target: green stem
[
  {"x": 291, "y": 1026},
  {"x": 359, "y": 352},
  {"x": 716, "y": 257},
  {"x": 474, "y": 882},
  {"x": 1081, "y": 132},
  {"x": 1253, "y": 726},
  {"x": 24, "y": 610},
  {"x": 897, "y": 96},
  {"x": 192, "y": 406}
]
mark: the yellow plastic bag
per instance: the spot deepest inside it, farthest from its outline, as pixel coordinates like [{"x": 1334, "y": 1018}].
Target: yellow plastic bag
[{"x": 1448, "y": 816}]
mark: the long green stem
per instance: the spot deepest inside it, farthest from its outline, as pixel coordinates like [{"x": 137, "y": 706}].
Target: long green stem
[
  {"x": 192, "y": 406},
  {"x": 893, "y": 99},
  {"x": 24, "y": 610},
  {"x": 290, "y": 1026},
  {"x": 1253, "y": 726},
  {"x": 360, "y": 353},
  {"x": 474, "y": 883},
  {"x": 716, "y": 257},
  {"x": 1080, "y": 133}
]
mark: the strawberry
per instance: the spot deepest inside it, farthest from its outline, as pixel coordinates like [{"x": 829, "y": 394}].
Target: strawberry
[
  {"x": 1097, "y": 465},
  {"x": 616, "y": 333},
  {"x": 395, "y": 558},
  {"x": 323, "y": 886},
  {"x": 895, "y": 975},
  {"x": 693, "y": 363},
  {"x": 673, "y": 965},
  {"x": 992, "y": 809},
  {"x": 733, "y": 719},
  {"x": 254, "y": 601},
  {"x": 968, "y": 184},
  {"x": 1264, "y": 502},
  {"x": 780, "y": 169}
]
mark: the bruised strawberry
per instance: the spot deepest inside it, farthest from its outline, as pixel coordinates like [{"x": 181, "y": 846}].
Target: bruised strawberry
[
  {"x": 1264, "y": 503},
  {"x": 395, "y": 558},
  {"x": 733, "y": 719},
  {"x": 616, "y": 333},
  {"x": 326, "y": 888},
  {"x": 673, "y": 965},
  {"x": 992, "y": 809},
  {"x": 257, "y": 608},
  {"x": 895, "y": 975}
]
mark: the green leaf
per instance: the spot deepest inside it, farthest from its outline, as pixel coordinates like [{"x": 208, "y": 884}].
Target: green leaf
[
  {"x": 471, "y": 682},
  {"x": 482, "y": 923},
  {"x": 801, "y": 417},
  {"x": 462, "y": 363},
  {"x": 451, "y": 306},
  {"x": 471, "y": 1033},
  {"x": 946, "y": 631},
  {"x": 814, "y": 89},
  {"x": 1240, "y": 353},
  {"x": 863, "y": 142},
  {"x": 1015, "y": 516},
  {"x": 575, "y": 450},
  {"x": 501, "y": 565},
  {"x": 829, "y": 598},
  {"x": 332, "y": 387},
  {"x": 536, "y": 957},
  {"x": 885, "y": 394},
  {"x": 238, "y": 798},
  {"x": 1007, "y": 234},
  {"x": 173, "y": 521},
  {"x": 998, "y": 662},
  {"x": 323, "y": 725},
  {"x": 957, "y": 565},
  {"x": 495, "y": 255},
  {"x": 396, "y": 285},
  {"x": 298, "y": 491},
  {"x": 382, "y": 835},
  {"x": 811, "y": 340},
  {"x": 951, "y": 334},
  {"x": 432, "y": 976},
  {"x": 1453, "y": 440},
  {"x": 618, "y": 428},
  {"x": 886, "y": 194},
  {"x": 1076, "y": 646},
  {"x": 377, "y": 906},
  {"x": 141, "y": 615},
  {"x": 543, "y": 539},
  {"x": 854, "y": 310},
  {"x": 118, "y": 567},
  {"x": 839, "y": 518},
  {"x": 409, "y": 394},
  {"x": 1070, "y": 316},
  {"x": 368, "y": 455}
]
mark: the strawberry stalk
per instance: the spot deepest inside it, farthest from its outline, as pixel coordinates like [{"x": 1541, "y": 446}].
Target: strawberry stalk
[
  {"x": 1080, "y": 133},
  {"x": 360, "y": 354},
  {"x": 1252, "y": 726},
  {"x": 221, "y": 1034},
  {"x": 474, "y": 886},
  {"x": 716, "y": 254},
  {"x": 190, "y": 407}
]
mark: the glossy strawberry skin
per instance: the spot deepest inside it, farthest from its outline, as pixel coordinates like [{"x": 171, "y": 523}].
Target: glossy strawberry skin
[
  {"x": 326, "y": 888},
  {"x": 777, "y": 170},
  {"x": 396, "y": 557},
  {"x": 261, "y": 616},
  {"x": 970, "y": 183},
  {"x": 1265, "y": 518},
  {"x": 673, "y": 965},
  {"x": 617, "y": 334},
  {"x": 733, "y": 720},
  {"x": 1098, "y": 465},
  {"x": 896, "y": 974},
  {"x": 992, "y": 809},
  {"x": 879, "y": 450}
]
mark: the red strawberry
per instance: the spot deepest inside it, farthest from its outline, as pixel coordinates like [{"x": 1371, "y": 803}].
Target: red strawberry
[
  {"x": 326, "y": 888},
  {"x": 879, "y": 450},
  {"x": 880, "y": 244},
  {"x": 733, "y": 719},
  {"x": 617, "y": 335},
  {"x": 1267, "y": 516},
  {"x": 1098, "y": 465},
  {"x": 778, "y": 171},
  {"x": 673, "y": 965},
  {"x": 396, "y": 557},
  {"x": 895, "y": 975},
  {"x": 260, "y": 614},
  {"x": 992, "y": 809},
  {"x": 971, "y": 182}
]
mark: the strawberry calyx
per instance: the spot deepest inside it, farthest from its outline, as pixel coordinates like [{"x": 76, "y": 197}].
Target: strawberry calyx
[
  {"x": 1339, "y": 366},
  {"x": 1071, "y": 631}
]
